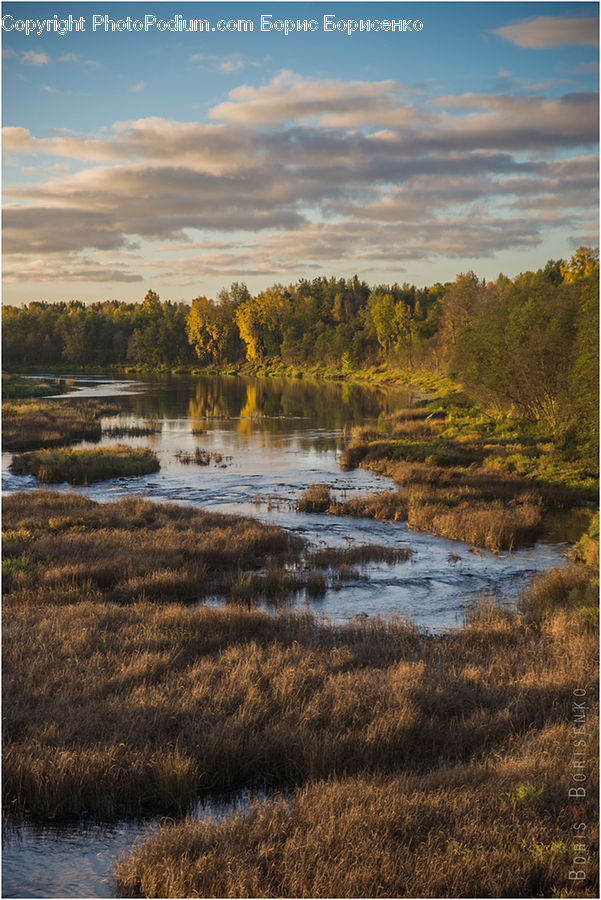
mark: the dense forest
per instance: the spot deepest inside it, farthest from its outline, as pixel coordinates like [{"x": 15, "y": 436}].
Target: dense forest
[{"x": 529, "y": 344}]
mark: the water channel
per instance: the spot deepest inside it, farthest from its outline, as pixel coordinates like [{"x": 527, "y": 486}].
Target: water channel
[{"x": 268, "y": 438}]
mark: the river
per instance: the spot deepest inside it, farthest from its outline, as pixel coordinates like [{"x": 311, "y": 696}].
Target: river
[{"x": 268, "y": 438}]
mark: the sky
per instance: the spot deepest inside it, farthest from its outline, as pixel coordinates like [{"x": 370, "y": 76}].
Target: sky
[{"x": 153, "y": 157}]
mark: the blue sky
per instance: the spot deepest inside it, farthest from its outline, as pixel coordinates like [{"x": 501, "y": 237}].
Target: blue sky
[{"x": 184, "y": 161}]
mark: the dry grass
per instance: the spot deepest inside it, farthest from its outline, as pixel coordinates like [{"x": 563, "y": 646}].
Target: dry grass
[
  {"x": 490, "y": 525},
  {"x": 133, "y": 698},
  {"x": 118, "y": 431},
  {"x": 383, "y": 505},
  {"x": 425, "y": 765},
  {"x": 316, "y": 498},
  {"x": 437, "y": 812},
  {"x": 54, "y": 466},
  {"x": 30, "y": 424},
  {"x": 502, "y": 828},
  {"x": 128, "y": 550},
  {"x": 458, "y": 512},
  {"x": 362, "y": 554}
]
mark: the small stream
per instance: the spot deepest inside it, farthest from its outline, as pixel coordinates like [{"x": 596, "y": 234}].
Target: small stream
[
  {"x": 268, "y": 439},
  {"x": 76, "y": 859}
]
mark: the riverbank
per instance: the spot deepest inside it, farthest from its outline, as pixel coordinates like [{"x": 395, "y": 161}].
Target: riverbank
[{"x": 516, "y": 445}]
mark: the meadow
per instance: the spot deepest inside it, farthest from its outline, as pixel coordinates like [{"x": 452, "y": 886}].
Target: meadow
[
  {"x": 463, "y": 477},
  {"x": 393, "y": 746}
]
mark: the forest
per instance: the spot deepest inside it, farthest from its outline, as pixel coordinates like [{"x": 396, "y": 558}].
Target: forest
[{"x": 527, "y": 345}]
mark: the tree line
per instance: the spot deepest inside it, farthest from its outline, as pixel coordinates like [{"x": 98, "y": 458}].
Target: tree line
[{"x": 528, "y": 343}]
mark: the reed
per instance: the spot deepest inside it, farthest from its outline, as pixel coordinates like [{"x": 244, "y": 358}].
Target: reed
[
  {"x": 501, "y": 828},
  {"x": 117, "y": 431},
  {"x": 362, "y": 554},
  {"x": 54, "y": 466},
  {"x": 316, "y": 498},
  {"x": 135, "y": 697},
  {"x": 130, "y": 549},
  {"x": 28, "y": 424}
]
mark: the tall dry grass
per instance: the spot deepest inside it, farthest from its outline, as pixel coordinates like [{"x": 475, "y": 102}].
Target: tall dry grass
[
  {"x": 137, "y": 703},
  {"x": 499, "y": 828},
  {"x": 127, "y": 550},
  {"x": 60, "y": 464},
  {"x": 492, "y": 819},
  {"x": 28, "y": 424}
]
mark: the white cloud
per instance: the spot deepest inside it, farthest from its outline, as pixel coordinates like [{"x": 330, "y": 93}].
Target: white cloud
[
  {"x": 31, "y": 58},
  {"x": 305, "y": 173},
  {"x": 78, "y": 60},
  {"x": 136, "y": 88},
  {"x": 551, "y": 31},
  {"x": 330, "y": 102},
  {"x": 234, "y": 62}
]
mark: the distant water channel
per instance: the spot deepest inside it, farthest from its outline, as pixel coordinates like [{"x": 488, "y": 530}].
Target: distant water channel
[{"x": 268, "y": 438}]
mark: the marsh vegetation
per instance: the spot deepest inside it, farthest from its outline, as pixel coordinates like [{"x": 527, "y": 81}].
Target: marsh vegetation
[
  {"x": 389, "y": 735},
  {"x": 457, "y": 478},
  {"x": 54, "y": 466},
  {"x": 28, "y": 424}
]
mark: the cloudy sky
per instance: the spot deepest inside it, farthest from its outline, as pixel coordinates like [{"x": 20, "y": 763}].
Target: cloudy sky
[{"x": 185, "y": 161}]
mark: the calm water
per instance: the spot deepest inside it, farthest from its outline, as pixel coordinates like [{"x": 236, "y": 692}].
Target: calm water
[
  {"x": 76, "y": 860},
  {"x": 274, "y": 436}
]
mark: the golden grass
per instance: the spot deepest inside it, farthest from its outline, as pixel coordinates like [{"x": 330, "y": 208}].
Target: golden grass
[
  {"x": 456, "y": 512},
  {"x": 446, "y": 815},
  {"x": 460, "y": 832},
  {"x": 32, "y": 423},
  {"x": 133, "y": 698},
  {"x": 424, "y": 765},
  {"x": 129, "y": 549},
  {"x": 54, "y": 466},
  {"x": 490, "y": 525},
  {"x": 316, "y": 498}
]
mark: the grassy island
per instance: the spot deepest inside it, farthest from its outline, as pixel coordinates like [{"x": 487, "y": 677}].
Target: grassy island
[
  {"x": 54, "y": 466},
  {"x": 29, "y": 424}
]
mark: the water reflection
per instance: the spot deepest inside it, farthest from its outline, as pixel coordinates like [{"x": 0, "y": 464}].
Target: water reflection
[{"x": 267, "y": 439}]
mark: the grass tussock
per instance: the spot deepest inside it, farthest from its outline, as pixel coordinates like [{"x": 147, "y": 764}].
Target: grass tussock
[
  {"x": 201, "y": 457},
  {"x": 54, "y": 466},
  {"x": 362, "y": 554},
  {"x": 316, "y": 498},
  {"x": 29, "y": 424},
  {"x": 490, "y": 525},
  {"x": 393, "y": 505},
  {"x": 119, "y": 431}
]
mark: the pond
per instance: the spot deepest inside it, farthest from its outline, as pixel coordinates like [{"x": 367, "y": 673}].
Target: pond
[{"x": 268, "y": 438}]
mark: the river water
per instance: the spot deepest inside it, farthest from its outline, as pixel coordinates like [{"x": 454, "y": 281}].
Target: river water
[{"x": 268, "y": 438}]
